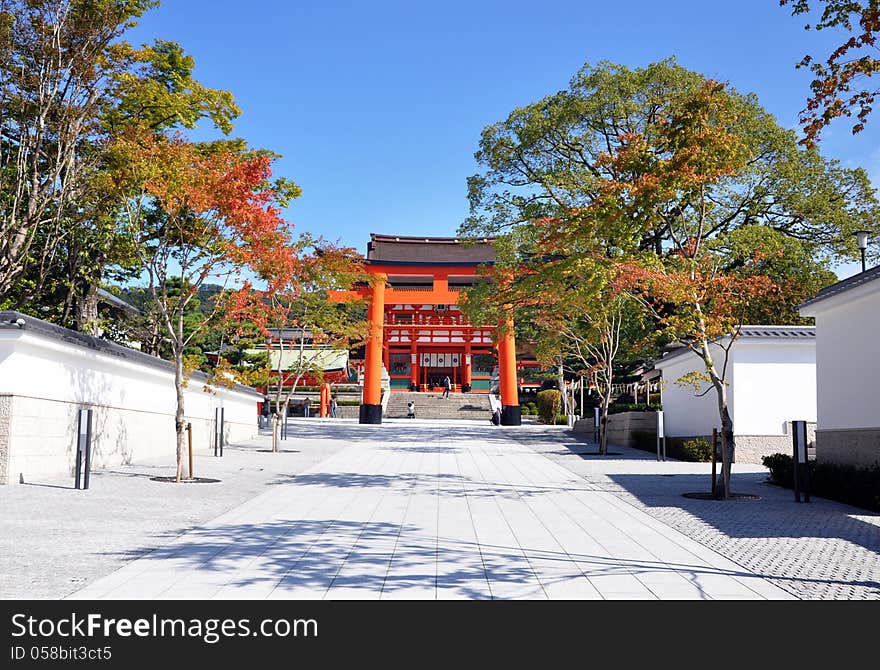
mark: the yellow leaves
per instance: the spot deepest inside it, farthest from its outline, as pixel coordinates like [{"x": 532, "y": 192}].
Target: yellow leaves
[{"x": 695, "y": 380}]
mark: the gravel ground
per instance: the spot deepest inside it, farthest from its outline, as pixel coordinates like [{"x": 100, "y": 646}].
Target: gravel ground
[
  {"x": 55, "y": 539},
  {"x": 819, "y": 551}
]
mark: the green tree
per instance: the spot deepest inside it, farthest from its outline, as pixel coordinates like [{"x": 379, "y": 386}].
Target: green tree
[
  {"x": 57, "y": 60},
  {"x": 553, "y": 157}
]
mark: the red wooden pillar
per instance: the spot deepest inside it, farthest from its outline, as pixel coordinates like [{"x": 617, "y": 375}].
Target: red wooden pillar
[
  {"x": 510, "y": 410},
  {"x": 371, "y": 405},
  {"x": 467, "y": 376},
  {"x": 413, "y": 364}
]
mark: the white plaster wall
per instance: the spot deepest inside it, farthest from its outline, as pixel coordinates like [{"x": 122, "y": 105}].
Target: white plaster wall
[
  {"x": 685, "y": 414},
  {"x": 848, "y": 358},
  {"x": 775, "y": 383},
  {"x": 48, "y": 380}
]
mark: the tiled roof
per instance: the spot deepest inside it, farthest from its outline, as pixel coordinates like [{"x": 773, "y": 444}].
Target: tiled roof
[
  {"x": 781, "y": 332},
  {"x": 844, "y": 285},
  {"x": 403, "y": 249},
  {"x": 756, "y": 332},
  {"x": 10, "y": 320}
]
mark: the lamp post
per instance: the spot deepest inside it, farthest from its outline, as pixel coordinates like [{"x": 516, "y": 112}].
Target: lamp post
[{"x": 862, "y": 241}]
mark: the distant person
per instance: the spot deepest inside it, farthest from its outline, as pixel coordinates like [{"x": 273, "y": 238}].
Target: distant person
[
  {"x": 447, "y": 384},
  {"x": 410, "y": 410},
  {"x": 333, "y": 406},
  {"x": 496, "y": 417},
  {"x": 307, "y": 406},
  {"x": 264, "y": 412}
]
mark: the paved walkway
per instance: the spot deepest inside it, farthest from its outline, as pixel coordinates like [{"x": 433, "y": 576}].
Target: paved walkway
[{"x": 417, "y": 510}]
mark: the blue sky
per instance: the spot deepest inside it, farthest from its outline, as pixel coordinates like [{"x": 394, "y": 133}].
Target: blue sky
[{"x": 377, "y": 107}]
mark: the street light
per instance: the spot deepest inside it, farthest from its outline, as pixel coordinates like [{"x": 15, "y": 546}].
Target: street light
[{"x": 862, "y": 241}]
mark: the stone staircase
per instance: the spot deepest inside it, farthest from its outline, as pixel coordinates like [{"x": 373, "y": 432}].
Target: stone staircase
[{"x": 435, "y": 406}]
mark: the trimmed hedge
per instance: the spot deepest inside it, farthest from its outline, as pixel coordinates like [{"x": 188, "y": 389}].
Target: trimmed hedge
[
  {"x": 549, "y": 405},
  {"x": 694, "y": 451},
  {"x": 844, "y": 483}
]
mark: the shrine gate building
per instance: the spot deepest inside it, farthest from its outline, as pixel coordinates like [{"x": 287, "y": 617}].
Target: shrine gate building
[{"x": 417, "y": 332}]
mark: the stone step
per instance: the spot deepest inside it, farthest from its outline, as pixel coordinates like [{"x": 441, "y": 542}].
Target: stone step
[{"x": 435, "y": 406}]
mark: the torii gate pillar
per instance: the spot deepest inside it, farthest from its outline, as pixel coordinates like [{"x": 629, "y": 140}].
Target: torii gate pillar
[
  {"x": 371, "y": 404},
  {"x": 511, "y": 415}
]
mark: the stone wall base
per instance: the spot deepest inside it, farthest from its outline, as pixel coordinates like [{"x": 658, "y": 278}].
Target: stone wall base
[
  {"x": 859, "y": 446},
  {"x": 749, "y": 448}
]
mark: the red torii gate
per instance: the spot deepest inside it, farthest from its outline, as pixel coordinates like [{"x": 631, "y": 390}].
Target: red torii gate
[{"x": 438, "y": 294}]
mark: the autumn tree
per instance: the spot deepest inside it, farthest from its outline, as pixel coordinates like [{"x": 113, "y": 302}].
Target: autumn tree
[
  {"x": 157, "y": 93},
  {"x": 290, "y": 311},
  {"x": 797, "y": 272},
  {"x": 673, "y": 177},
  {"x": 842, "y": 84},
  {"x": 198, "y": 213},
  {"x": 651, "y": 167},
  {"x": 572, "y": 306}
]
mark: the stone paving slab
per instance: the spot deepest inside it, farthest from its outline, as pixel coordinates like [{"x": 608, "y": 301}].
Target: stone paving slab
[{"x": 421, "y": 510}]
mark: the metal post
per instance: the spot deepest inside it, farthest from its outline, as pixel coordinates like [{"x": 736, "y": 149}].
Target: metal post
[
  {"x": 88, "y": 449},
  {"x": 222, "y": 426},
  {"x": 801, "y": 460},
  {"x": 189, "y": 435},
  {"x": 582, "y": 398},
  {"x": 216, "y": 431},
  {"x": 714, "y": 462},
  {"x": 661, "y": 437},
  {"x": 80, "y": 435}
]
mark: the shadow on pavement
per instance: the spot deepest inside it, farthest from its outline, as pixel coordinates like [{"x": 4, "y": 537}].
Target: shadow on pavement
[{"x": 306, "y": 555}]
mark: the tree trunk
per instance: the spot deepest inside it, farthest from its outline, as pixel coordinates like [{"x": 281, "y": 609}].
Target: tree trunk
[
  {"x": 179, "y": 421},
  {"x": 560, "y": 380},
  {"x": 87, "y": 310},
  {"x": 727, "y": 440},
  {"x": 275, "y": 425},
  {"x": 727, "y": 445},
  {"x": 603, "y": 421}
]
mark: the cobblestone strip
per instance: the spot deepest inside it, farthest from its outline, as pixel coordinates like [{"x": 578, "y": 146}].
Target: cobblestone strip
[{"x": 818, "y": 551}]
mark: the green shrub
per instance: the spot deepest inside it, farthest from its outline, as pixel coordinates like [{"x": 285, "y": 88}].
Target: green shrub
[
  {"x": 549, "y": 404},
  {"x": 698, "y": 451},
  {"x": 561, "y": 420},
  {"x": 348, "y": 403},
  {"x": 534, "y": 408},
  {"x": 844, "y": 483},
  {"x": 781, "y": 470},
  {"x": 525, "y": 410}
]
